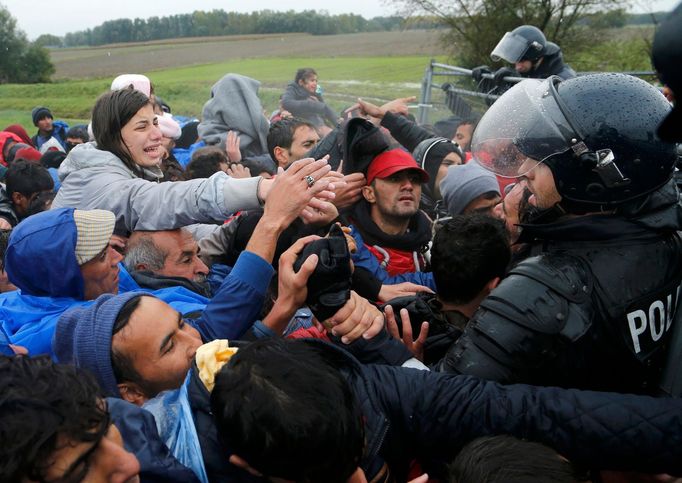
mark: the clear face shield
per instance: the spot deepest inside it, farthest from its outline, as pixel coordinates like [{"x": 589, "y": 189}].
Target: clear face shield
[
  {"x": 511, "y": 48},
  {"x": 522, "y": 129}
]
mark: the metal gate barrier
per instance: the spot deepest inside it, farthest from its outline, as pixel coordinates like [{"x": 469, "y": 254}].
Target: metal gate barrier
[{"x": 448, "y": 91}]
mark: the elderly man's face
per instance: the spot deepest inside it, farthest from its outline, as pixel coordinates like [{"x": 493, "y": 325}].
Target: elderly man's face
[
  {"x": 159, "y": 345},
  {"x": 182, "y": 255},
  {"x": 100, "y": 275}
]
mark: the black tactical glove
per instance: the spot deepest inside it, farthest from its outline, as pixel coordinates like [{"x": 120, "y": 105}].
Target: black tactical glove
[
  {"x": 329, "y": 285},
  {"x": 477, "y": 72},
  {"x": 503, "y": 72}
]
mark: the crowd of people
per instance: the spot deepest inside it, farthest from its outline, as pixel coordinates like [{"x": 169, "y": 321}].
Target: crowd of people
[{"x": 348, "y": 297}]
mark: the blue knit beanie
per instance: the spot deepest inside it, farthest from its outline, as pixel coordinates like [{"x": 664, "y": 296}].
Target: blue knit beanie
[
  {"x": 83, "y": 338},
  {"x": 464, "y": 183}
]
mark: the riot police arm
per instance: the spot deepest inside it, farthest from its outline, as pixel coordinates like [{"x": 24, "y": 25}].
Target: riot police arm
[
  {"x": 525, "y": 329},
  {"x": 434, "y": 415}
]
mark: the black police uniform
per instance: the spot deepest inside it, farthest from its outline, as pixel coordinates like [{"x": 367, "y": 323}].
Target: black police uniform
[
  {"x": 592, "y": 309},
  {"x": 595, "y": 304}
]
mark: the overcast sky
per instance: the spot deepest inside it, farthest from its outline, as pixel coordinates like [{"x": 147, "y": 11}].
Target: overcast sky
[{"x": 36, "y": 17}]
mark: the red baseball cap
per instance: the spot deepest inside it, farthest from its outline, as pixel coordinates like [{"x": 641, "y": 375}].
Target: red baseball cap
[{"x": 392, "y": 161}]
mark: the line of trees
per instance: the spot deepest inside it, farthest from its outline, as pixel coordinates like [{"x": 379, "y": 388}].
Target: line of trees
[
  {"x": 21, "y": 61},
  {"x": 219, "y": 22}
]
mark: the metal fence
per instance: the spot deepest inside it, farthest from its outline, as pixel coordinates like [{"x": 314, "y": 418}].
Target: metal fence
[{"x": 449, "y": 91}]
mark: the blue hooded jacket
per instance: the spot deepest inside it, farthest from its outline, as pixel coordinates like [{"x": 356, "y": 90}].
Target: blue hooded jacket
[{"x": 40, "y": 260}]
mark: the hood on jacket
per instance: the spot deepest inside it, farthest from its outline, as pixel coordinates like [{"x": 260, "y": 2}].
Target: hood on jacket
[
  {"x": 235, "y": 105},
  {"x": 41, "y": 255},
  {"x": 87, "y": 155},
  {"x": 301, "y": 92}
]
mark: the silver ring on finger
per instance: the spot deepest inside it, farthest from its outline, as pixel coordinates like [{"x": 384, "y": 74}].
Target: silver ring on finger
[{"x": 310, "y": 181}]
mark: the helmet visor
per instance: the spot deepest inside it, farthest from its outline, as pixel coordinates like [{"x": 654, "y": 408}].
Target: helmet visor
[
  {"x": 522, "y": 129},
  {"x": 510, "y": 48}
]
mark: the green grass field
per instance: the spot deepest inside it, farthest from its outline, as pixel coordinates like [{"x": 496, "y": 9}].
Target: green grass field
[
  {"x": 183, "y": 70},
  {"x": 187, "y": 88}
]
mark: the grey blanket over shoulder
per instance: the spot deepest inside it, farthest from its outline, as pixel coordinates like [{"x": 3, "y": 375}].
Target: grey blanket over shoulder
[
  {"x": 234, "y": 106},
  {"x": 92, "y": 178}
]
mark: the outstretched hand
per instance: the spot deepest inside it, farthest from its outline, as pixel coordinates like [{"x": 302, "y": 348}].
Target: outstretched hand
[
  {"x": 416, "y": 347},
  {"x": 396, "y": 106},
  {"x": 237, "y": 170},
  {"x": 234, "y": 155},
  {"x": 295, "y": 188}
]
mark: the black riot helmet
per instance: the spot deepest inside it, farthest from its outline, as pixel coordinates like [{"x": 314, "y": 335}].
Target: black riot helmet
[
  {"x": 597, "y": 134},
  {"x": 523, "y": 43}
]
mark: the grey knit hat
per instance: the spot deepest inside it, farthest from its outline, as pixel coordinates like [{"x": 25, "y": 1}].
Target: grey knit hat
[
  {"x": 39, "y": 113},
  {"x": 83, "y": 337},
  {"x": 464, "y": 183}
]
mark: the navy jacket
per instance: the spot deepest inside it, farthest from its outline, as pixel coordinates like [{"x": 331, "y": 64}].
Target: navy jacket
[
  {"x": 429, "y": 416},
  {"x": 412, "y": 414},
  {"x": 140, "y": 437},
  {"x": 593, "y": 309}
]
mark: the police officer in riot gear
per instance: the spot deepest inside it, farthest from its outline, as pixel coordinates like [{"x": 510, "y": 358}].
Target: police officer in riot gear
[
  {"x": 532, "y": 55},
  {"x": 593, "y": 305}
]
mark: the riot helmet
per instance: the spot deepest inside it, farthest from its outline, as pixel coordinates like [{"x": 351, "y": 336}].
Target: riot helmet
[
  {"x": 597, "y": 134},
  {"x": 523, "y": 43}
]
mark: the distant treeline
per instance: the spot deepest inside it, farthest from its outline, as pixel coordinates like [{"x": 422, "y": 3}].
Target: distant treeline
[{"x": 219, "y": 22}]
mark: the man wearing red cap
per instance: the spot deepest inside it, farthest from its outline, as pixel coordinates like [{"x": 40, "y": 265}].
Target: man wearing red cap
[{"x": 388, "y": 220}]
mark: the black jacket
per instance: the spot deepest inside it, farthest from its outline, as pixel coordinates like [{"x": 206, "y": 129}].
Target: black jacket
[
  {"x": 381, "y": 349},
  {"x": 412, "y": 414},
  {"x": 592, "y": 309},
  {"x": 140, "y": 437},
  {"x": 300, "y": 103},
  {"x": 552, "y": 64}
]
